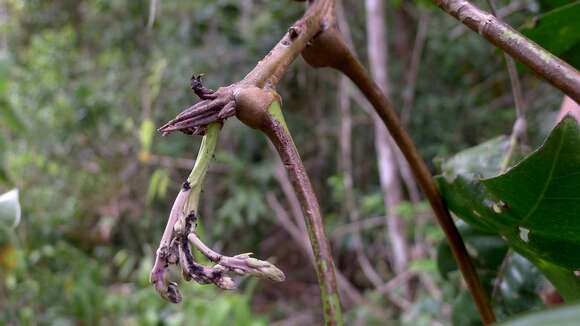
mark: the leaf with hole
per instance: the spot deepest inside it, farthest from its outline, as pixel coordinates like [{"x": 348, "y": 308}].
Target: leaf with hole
[{"x": 534, "y": 206}]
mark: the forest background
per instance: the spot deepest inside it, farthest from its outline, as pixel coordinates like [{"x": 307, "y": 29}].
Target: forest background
[{"x": 84, "y": 85}]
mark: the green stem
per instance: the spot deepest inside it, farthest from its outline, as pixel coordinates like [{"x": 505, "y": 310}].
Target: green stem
[
  {"x": 204, "y": 157},
  {"x": 279, "y": 134}
]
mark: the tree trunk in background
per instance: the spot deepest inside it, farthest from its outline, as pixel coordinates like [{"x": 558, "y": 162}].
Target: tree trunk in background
[{"x": 386, "y": 154}]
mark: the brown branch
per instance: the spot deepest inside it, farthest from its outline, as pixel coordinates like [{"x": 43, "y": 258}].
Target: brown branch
[
  {"x": 329, "y": 50},
  {"x": 556, "y": 71},
  {"x": 320, "y": 245},
  {"x": 425, "y": 180}
]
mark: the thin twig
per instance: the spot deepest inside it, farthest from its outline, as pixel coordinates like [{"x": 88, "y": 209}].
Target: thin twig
[
  {"x": 519, "y": 129},
  {"x": 358, "y": 226},
  {"x": 345, "y": 134},
  {"x": 500, "y": 273},
  {"x": 413, "y": 72}
]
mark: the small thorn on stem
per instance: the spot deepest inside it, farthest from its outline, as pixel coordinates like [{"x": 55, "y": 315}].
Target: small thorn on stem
[{"x": 201, "y": 91}]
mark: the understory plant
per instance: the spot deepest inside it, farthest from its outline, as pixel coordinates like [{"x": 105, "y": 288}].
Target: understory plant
[{"x": 255, "y": 102}]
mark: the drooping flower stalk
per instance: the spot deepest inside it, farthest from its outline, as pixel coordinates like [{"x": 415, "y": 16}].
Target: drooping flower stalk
[{"x": 174, "y": 248}]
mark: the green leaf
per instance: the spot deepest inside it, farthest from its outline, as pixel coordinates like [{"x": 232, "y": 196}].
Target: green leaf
[
  {"x": 10, "y": 211},
  {"x": 534, "y": 206},
  {"x": 520, "y": 284},
  {"x": 561, "y": 316},
  {"x": 483, "y": 160},
  {"x": 558, "y": 31},
  {"x": 547, "y": 5},
  {"x": 464, "y": 312},
  {"x": 9, "y": 117},
  {"x": 539, "y": 198}
]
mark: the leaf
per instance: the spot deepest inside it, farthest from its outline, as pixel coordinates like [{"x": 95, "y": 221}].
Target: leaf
[
  {"x": 547, "y": 5},
  {"x": 558, "y": 31},
  {"x": 561, "y": 316},
  {"x": 520, "y": 284},
  {"x": 540, "y": 198},
  {"x": 483, "y": 160},
  {"x": 534, "y": 206},
  {"x": 464, "y": 312},
  {"x": 10, "y": 117},
  {"x": 10, "y": 211}
]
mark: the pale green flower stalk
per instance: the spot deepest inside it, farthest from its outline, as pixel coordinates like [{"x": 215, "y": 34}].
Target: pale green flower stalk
[{"x": 174, "y": 246}]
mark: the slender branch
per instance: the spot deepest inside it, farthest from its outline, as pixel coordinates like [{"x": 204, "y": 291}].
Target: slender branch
[
  {"x": 425, "y": 180},
  {"x": 330, "y": 44},
  {"x": 413, "y": 72},
  {"x": 556, "y": 71},
  {"x": 275, "y": 128},
  {"x": 269, "y": 70},
  {"x": 519, "y": 128},
  {"x": 345, "y": 138}
]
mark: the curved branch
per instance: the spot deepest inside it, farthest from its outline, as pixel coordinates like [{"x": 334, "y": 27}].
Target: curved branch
[
  {"x": 330, "y": 50},
  {"x": 279, "y": 134},
  {"x": 260, "y": 109},
  {"x": 421, "y": 172},
  {"x": 553, "y": 69}
]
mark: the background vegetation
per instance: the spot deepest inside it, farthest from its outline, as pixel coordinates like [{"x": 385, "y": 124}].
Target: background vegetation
[{"x": 83, "y": 86}]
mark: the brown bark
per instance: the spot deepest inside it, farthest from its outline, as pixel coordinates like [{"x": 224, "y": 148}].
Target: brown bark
[{"x": 320, "y": 246}]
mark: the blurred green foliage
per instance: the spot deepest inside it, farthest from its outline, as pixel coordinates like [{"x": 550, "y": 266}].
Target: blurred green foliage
[{"x": 83, "y": 86}]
